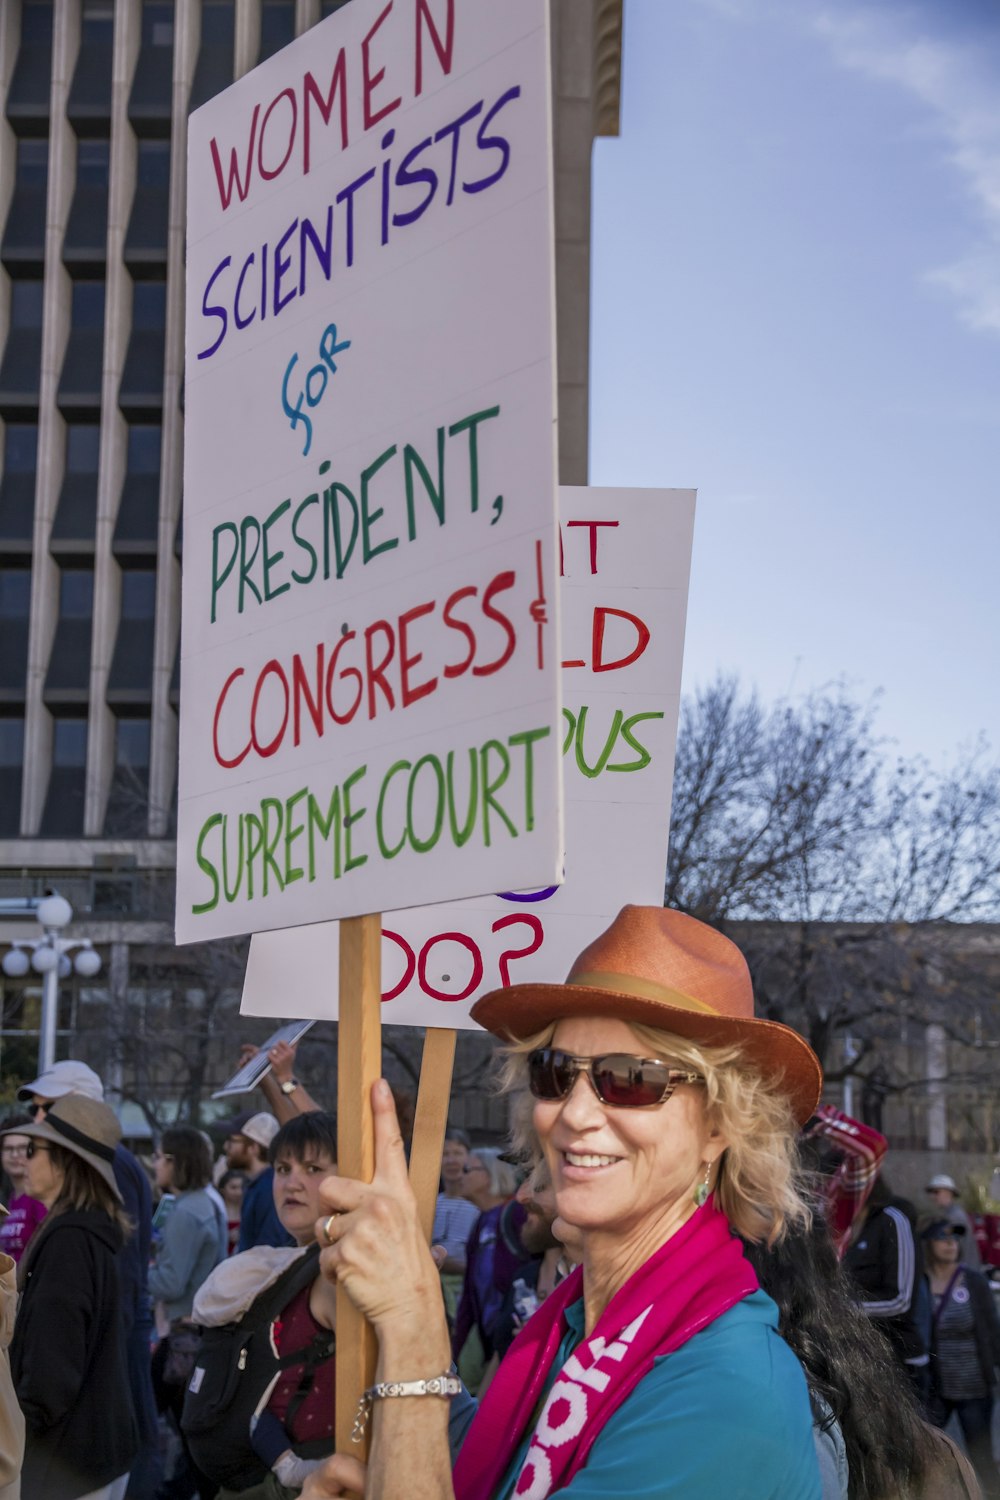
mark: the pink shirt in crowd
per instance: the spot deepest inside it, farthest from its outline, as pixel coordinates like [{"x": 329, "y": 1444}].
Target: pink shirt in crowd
[{"x": 16, "y": 1230}]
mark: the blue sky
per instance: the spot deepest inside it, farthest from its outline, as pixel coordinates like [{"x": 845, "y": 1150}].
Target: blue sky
[{"x": 796, "y": 308}]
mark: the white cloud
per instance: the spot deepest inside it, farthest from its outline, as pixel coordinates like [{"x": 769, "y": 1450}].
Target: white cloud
[{"x": 956, "y": 85}]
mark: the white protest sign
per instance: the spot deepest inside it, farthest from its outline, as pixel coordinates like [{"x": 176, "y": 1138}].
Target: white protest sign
[
  {"x": 370, "y": 665},
  {"x": 623, "y": 600}
]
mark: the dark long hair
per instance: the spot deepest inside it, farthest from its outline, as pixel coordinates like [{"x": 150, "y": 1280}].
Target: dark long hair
[
  {"x": 83, "y": 1188},
  {"x": 847, "y": 1362},
  {"x": 192, "y": 1157}
]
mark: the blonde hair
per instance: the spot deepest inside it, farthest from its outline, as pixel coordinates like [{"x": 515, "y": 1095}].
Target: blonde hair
[{"x": 759, "y": 1186}]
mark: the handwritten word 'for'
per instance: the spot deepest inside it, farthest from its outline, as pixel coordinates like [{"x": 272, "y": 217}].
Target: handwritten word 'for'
[{"x": 316, "y": 382}]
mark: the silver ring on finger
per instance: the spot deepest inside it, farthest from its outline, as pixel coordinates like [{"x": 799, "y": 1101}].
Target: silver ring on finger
[{"x": 327, "y": 1231}]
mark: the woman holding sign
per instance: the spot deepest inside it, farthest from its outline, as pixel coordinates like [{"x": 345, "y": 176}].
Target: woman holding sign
[{"x": 667, "y": 1115}]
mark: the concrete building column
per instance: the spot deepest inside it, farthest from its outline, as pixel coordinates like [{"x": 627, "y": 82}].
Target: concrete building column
[
  {"x": 118, "y": 982},
  {"x": 937, "y": 1099},
  {"x": 56, "y": 308},
  {"x": 163, "y": 729},
  {"x": 307, "y": 13},
  {"x": 246, "y": 49},
  {"x": 114, "y": 429}
]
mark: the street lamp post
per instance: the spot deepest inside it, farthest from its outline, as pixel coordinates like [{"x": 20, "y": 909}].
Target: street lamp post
[{"x": 49, "y": 956}]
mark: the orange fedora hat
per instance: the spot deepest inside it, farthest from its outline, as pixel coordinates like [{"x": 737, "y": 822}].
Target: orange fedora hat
[{"x": 664, "y": 969}]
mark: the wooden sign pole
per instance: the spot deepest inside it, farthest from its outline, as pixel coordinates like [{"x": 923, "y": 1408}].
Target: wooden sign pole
[
  {"x": 359, "y": 1054},
  {"x": 431, "y": 1120}
]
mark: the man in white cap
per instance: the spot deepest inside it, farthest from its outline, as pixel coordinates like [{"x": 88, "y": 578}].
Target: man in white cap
[
  {"x": 247, "y": 1149},
  {"x": 943, "y": 1193},
  {"x": 74, "y": 1077}
]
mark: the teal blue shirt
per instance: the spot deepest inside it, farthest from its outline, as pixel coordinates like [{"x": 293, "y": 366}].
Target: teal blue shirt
[{"x": 726, "y": 1415}]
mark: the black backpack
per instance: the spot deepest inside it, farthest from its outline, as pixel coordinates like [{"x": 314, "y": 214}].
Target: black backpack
[{"x": 234, "y": 1369}]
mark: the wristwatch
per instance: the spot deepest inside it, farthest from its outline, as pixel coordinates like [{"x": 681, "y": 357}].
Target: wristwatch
[{"x": 289, "y": 1086}]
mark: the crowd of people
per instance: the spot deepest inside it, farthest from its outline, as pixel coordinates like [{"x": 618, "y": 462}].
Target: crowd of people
[{"x": 681, "y": 1275}]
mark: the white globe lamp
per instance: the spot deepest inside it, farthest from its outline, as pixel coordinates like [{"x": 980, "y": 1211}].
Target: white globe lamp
[
  {"x": 16, "y": 963},
  {"x": 44, "y": 959},
  {"x": 87, "y": 962},
  {"x": 54, "y": 911}
]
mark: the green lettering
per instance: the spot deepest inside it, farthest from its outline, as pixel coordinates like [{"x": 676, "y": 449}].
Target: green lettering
[
  {"x": 207, "y": 867},
  {"x": 218, "y": 579},
  {"x": 411, "y": 461},
  {"x": 368, "y": 518},
  {"x": 270, "y": 844},
  {"x": 384, "y": 850},
  {"x": 249, "y": 523},
  {"x": 316, "y": 820},
  {"x": 421, "y": 846},
  {"x": 527, "y": 738},
  {"x": 254, "y": 846},
  {"x": 232, "y": 894},
  {"x": 292, "y": 832},
  {"x": 489, "y": 787},
  {"x": 461, "y": 835},
  {"x": 351, "y": 862},
  {"x": 271, "y": 558},
  {"x": 469, "y": 425},
  {"x": 628, "y": 737},
  {"x": 331, "y": 517},
  {"x": 304, "y": 543},
  {"x": 609, "y": 744}
]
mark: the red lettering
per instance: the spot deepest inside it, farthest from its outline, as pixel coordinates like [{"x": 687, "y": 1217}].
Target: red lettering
[
  {"x": 372, "y": 80},
  {"x": 266, "y": 172},
  {"x": 338, "y": 84},
  {"x": 535, "y": 942},
  {"x": 227, "y": 764},
  {"x": 376, "y": 673},
  {"x": 477, "y": 966},
  {"x": 300, "y": 690},
  {"x": 272, "y": 668},
  {"x": 501, "y": 582},
  {"x": 408, "y": 970},
  {"x": 642, "y": 632},
  {"x": 348, "y": 635},
  {"x": 456, "y": 669},
  {"x": 242, "y": 188},
  {"x": 444, "y": 50},
  {"x": 592, "y": 528},
  {"x": 406, "y": 660}
]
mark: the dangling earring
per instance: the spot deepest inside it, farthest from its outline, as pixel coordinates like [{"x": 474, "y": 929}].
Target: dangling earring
[{"x": 701, "y": 1191}]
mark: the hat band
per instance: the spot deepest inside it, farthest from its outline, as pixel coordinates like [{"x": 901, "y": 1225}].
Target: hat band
[
  {"x": 77, "y": 1136},
  {"x": 647, "y": 989}
]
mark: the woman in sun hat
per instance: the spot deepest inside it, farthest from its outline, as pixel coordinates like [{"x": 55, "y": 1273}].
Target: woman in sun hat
[
  {"x": 67, "y": 1355},
  {"x": 667, "y": 1114}
]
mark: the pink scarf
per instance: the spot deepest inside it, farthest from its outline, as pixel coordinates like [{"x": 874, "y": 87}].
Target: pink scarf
[{"x": 689, "y": 1282}]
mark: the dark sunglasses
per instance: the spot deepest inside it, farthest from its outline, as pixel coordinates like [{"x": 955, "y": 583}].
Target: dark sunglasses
[
  {"x": 42, "y": 1107},
  {"x": 33, "y": 1147},
  {"x": 617, "y": 1079}
]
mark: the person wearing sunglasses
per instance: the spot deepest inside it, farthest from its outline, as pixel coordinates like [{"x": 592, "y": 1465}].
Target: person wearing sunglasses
[
  {"x": 667, "y": 1115},
  {"x": 965, "y": 1346},
  {"x": 68, "y": 1353},
  {"x": 24, "y": 1212}
]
